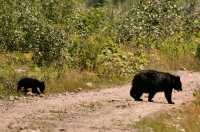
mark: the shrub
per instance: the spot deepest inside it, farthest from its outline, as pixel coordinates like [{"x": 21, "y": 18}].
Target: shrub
[
  {"x": 87, "y": 22},
  {"x": 149, "y": 20},
  {"x": 50, "y": 42},
  {"x": 114, "y": 63},
  {"x": 23, "y": 27}
]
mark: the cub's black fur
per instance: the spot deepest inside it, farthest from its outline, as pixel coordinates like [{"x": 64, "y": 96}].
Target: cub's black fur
[
  {"x": 151, "y": 82},
  {"x": 37, "y": 86}
]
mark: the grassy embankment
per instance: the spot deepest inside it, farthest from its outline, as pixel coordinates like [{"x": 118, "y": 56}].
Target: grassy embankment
[
  {"x": 76, "y": 45},
  {"x": 184, "y": 119}
]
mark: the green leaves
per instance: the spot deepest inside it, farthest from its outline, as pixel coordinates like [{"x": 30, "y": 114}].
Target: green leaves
[
  {"x": 88, "y": 35},
  {"x": 88, "y": 22},
  {"x": 150, "y": 21},
  {"x": 49, "y": 49},
  {"x": 115, "y": 63},
  {"x": 24, "y": 26}
]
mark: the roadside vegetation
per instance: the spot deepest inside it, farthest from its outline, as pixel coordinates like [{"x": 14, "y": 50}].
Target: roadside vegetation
[
  {"x": 76, "y": 44},
  {"x": 186, "y": 119}
]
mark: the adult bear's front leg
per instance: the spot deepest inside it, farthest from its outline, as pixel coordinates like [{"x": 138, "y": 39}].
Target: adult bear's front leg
[
  {"x": 25, "y": 90},
  {"x": 168, "y": 96}
]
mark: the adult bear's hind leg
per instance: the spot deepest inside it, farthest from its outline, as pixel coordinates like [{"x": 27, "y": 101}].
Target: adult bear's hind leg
[
  {"x": 136, "y": 94},
  {"x": 151, "y": 95},
  {"x": 25, "y": 90}
]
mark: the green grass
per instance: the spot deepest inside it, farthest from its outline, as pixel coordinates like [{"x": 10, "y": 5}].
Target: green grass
[
  {"x": 153, "y": 125},
  {"x": 169, "y": 56},
  {"x": 161, "y": 61},
  {"x": 58, "y": 81},
  {"x": 174, "y": 54},
  {"x": 186, "y": 119},
  {"x": 14, "y": 66}
]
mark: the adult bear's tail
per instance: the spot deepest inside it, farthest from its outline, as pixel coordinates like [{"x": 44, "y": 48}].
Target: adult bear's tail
[{"x": 133, "y": 90}]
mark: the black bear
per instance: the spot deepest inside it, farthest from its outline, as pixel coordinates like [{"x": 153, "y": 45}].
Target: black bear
[
  {"x": 37, "y": 86},
  {"x": 151, "y": 82}
]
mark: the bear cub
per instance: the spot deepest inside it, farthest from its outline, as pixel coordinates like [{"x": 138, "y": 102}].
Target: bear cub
[
  {"x": 36, "y": 86},
  {"x": 151, "y": 82}
]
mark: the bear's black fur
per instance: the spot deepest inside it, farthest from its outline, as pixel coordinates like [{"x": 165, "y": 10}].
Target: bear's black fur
[
  {"x": 151, "y": 82},
  {"x": 37, "y": 86}
]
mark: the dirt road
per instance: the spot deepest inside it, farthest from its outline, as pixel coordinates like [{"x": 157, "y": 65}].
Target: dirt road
[{"x": 106, "y": 110}]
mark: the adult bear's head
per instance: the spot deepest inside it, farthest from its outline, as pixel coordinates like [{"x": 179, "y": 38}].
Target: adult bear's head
[{"x": 177, "y": 83}]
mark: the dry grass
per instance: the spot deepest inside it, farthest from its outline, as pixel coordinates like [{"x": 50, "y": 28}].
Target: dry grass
[
  {"x": 161, "y": 61},
  {"x": 14, "y": 66},
  {"x": 72, "y": 81},
  {"x": 186, "y": 119},
  {"x": 57, "y": 81}
]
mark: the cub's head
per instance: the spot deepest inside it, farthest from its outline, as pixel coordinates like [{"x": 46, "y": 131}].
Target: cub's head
[{"x": 177, "y": 83}]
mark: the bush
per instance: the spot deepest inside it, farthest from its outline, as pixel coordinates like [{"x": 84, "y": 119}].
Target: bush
[
  {"x": 50, "y": 42},
  {"x": 96, "y": 3},
  {"x": 151, "y": 21},
  {"x": 89, "y": 35},
  {"x": 104, "y": 57},
  {"x": 87, "y": 22},
  {"x": 25, "y": 28},
  {"x": 114, "y": 63},
  {"x": 82, "y": 54},
  {"x": 57, "y": 11}
]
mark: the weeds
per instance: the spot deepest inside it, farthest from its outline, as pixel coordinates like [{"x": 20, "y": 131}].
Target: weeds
[
  {"x": 185, "y": 120},
  {"x": 72, "y": 43}
]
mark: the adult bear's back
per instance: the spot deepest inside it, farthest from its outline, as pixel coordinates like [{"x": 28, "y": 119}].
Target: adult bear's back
[{"x": 151, "y": 79}]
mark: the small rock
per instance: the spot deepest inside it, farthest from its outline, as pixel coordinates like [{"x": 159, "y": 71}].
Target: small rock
[
  {"x": 42, "y": 95},
  {"x": 178, "y": 118},
  {"x": 11, "y": 98},
  {"x": 182, "y": 130},
  {"x": 183, "y": 103},
  {"x": 72, "y": 93},
  {"x": 66, "y": 94},
  {"x": 17, "y": 98},
  {"x": 121, "y": 106},
  {"x": 61, "y": 129},
  {"x": 1, "y": 97},
  {"x": 80, "y": 89},
  {"x": 183, "y": 69},
  {"x": 30, "y": 130},
  {"x": 89, "y": 84},
  {"x": 20, "y": 70},
  {"x": 112, "y": 100},
  {"x": 11, "y": 126},
  {"x": 177, "y": 125},
  {"x": 29, "y": 94}
]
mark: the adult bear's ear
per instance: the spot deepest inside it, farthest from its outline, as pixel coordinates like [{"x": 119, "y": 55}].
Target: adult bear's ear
[
  {"x": 42, "y": 82},
  {"x": 178, "y": 77}
]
